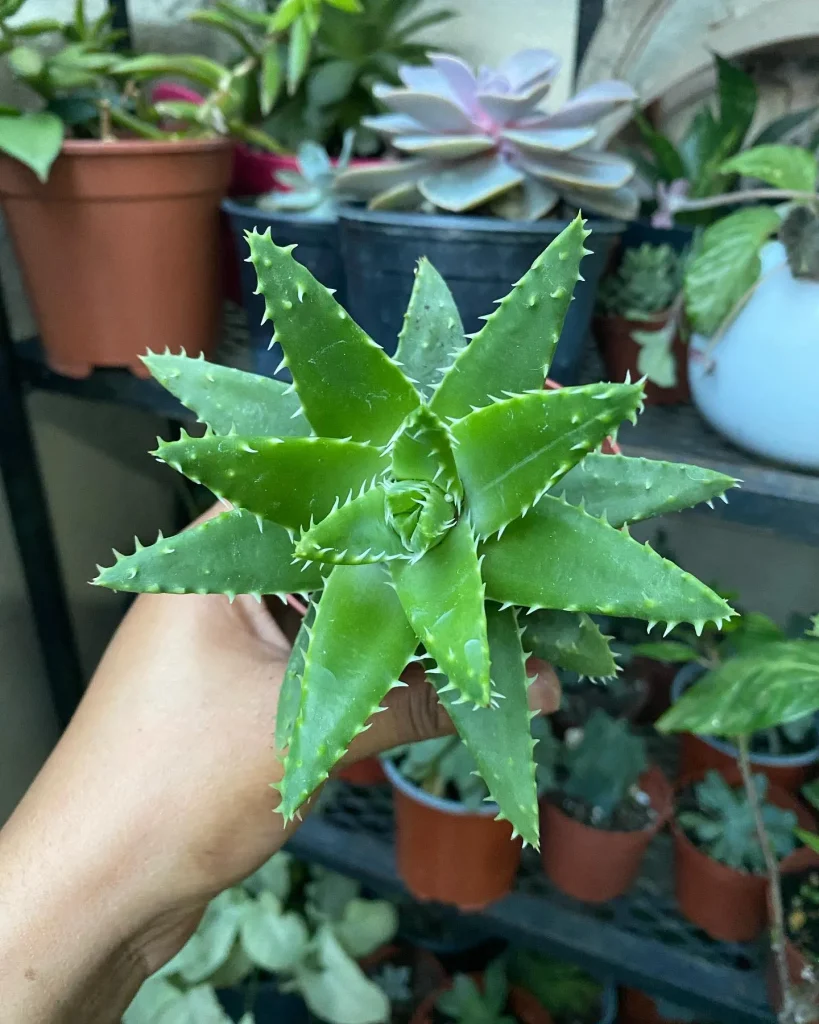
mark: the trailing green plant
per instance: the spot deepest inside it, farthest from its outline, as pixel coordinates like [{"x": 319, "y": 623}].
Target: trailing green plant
[
  {"x": 723, "y": 824},
  {"x": 411, "y": 498},
  {"x": 351, "y": 55},
  {"x": 313, "y": 191},
  {"x": 310, "y": 942},
  {"x": 89, "y": 90},
  {"x": 468, "y": 1003},
  {"x": 482, "y": 141},
  {"x": 645, "y": 283},
  {"x": 569, "y": 994}
]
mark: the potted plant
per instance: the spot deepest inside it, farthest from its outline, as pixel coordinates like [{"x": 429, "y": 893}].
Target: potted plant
[
  {"x": 276, "y": 950},
  {"x": 601, "y": 808},
  {"x": 448, "y": 844},
  {"x": 637, "y": 325},
  {"x": 786, "y": 753},
  {"x": 113, "y": 219},
  {"x": 752, "y": 271},
  {"x": 483, "y": 999},
  {"x": 420, "y": 512},
  {"x": 306, "y": 215},
  {"x": 799, "y": 889},
  {"x": 474, "y": 146},
  {"x": 719, "y": 865},
  {"x": 566, "y": 991}
]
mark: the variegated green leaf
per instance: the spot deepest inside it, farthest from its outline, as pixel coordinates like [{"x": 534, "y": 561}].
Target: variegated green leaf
[
  {"x": 353, "y": 534},
  {"x": 290, "y": 693},
  {"x": 290, "y": 481},
  {"x": 347, "y": 384},
  {"x": 625, "y": 490},
  {"x": 498, "y": 737},
  {"x": 432, "y": 334},
  {"x": 561, "y": 557},
  {"x": 515, "y": 346},
  {"x": 442, "y": 596},
  {"x": 229, "y": 400},
  {"x": 234, "y": 553},
  {"x": 766, "y": 687},
  {"x": 542, "y": 436},
  {"x": 569, "y": 640},
  {"x": 423, "y": 451},
  {"x": 344, "y": 680}
]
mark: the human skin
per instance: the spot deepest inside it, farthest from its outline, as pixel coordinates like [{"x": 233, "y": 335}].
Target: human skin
[{"x": 157, "y": 798}]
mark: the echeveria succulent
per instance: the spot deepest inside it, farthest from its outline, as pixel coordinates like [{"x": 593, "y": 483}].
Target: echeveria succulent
[
  {"x": 312, "y": 189},
  {"x": 482, "y": 139},
  {"x": 421, "y": 509}
]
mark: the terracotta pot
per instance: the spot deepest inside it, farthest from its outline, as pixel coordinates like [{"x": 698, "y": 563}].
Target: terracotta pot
[
  {"x": 119, "y": 249},
  {"x": 363, "y": 773},
  {"x": 522, "y": 1004},
  {"x": 620, "y": 354},
  {"x": 450, "y": 854},
  {"x": 638, "y": 1007},
  {"x": 727, "y": 904},
  {"x": 799, "y": 860},
  {"x": 594, "y": 864}
]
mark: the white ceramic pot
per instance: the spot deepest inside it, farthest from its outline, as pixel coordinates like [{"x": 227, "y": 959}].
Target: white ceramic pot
[{"x": 759, "y": 385}]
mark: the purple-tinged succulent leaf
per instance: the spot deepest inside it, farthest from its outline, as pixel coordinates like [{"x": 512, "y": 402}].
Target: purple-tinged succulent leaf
[
  {"x": 592, "y": 104},
  {"x": 587, "y": 169},
  {"x": 480, "y": 181},
  {"x": 505, "y": 109},
  {"x": 544, "y": 436},
  {"x": 391, "y": 124},
  {"x": 399, "y": 197},
  {"x": 436, "y": 113},
  {"x": 529, "y": 67},
  {"x": 363, "y": 182},
  {"x": 459, "y": 77},
  {"x": 547, "y": 140},
  {"x": 621, "y": 204},
  {"x": 442, "y": 596},
  {"x": 445, "y": 147}
]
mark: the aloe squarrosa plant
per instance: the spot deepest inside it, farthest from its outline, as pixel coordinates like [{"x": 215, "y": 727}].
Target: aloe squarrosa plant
[{"x": 426, "y": 503}]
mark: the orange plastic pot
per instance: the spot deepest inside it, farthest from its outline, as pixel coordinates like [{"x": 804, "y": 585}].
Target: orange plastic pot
[
  {"x": 800, "y": 860},
  {"x": 448, "y": 853},
  {"x": 119, "y": 249},
  {"x": 593, "y": 864},
  {"x": 728, "y": 904},
  {"x": 638, "y": 1007},
  {"x": 363, "y": 773},
  {"x": 522, "y": 1004}
]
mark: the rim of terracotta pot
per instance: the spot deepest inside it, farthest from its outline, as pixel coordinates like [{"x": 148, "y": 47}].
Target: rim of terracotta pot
[
  {"x": 665, "y": 796},
  {"x": 141, "y": 147},
  {"x": 438, "y": 803},
  {"x": 686, "y": 676}
]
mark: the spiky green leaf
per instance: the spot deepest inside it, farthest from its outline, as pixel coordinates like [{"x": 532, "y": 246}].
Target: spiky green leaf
[
  {"x": 560, "y": 557},
  {"x": 670, "y": 652},
  {"x": 515, "y": 346},
  {"x": 354, "y": 534},
  {"x": 347, "y": 384},
  {"x": 233, "y": 553},
  {"x": 423, "y": 451},
  {"x": 230, "y": 400},
  {"x": 290, "y": 481},
  {"x": 758, "y": 690},
  {"x": 287, "y": 706},
  {"x": 442, "y": 596},
  {"x": 510, "y": 453},
  {"x": 627, "y": 490},
  {"x": 498, "y": 737},
  {"x": 810, "y": 839},
  {"x": 345, "y": 675},
  {"x": 569, "y": 640},
  {"x": 432, "y": 334}
]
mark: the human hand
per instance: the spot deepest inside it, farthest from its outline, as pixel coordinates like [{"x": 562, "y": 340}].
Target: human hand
[{"x": 158, "y": 796}]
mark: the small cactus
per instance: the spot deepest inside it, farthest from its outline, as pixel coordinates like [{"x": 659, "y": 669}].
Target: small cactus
[
  {"x": 646, "y": 282},
  {"x": 422, "y": 511}
]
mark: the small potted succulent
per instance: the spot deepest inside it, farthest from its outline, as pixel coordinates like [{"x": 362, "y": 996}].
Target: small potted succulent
[
  {"x": 449, "y": 846},
  {"x": 566, "y": 991},
  {"x": 306, "y": 215},
  {"x": 602, "y": 805},
  {"x": 487, "y": 998},
  {"x": 719, "y": 865},
  {"x": 113, "y": 217},
  {"x": 786, "y": 753},
  {"x": 485, "y": 165},
  {"x": 637, "y": 325},
  {"x": 394, "y": 498},
  {"x": 270, "y": 950}
]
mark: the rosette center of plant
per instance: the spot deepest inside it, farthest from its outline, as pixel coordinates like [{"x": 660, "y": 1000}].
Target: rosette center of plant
[{"x": 419, "y": 512}]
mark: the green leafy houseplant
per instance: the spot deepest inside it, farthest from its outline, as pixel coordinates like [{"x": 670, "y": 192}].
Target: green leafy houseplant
[
  {"x": 412, "y": 498},
  {"x": 481, "y": 141},
  {"x": 310, "y": 941}
]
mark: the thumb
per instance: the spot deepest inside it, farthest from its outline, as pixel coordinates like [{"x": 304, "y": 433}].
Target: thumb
[{"x": 413, "y": 712}]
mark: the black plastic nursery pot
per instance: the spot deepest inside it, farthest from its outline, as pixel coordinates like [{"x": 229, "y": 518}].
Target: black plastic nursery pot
[
  {"x": 480, "y": 259},
  {"x": 643, "y": 232},
  {"x": 318, "y": 250},
  {"x": 266, "y": 1001}
]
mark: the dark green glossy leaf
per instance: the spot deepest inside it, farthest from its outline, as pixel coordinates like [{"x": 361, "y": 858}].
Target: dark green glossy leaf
[
  {"x": 668, "y": 162},
  {"x": 670, "y": 652}
]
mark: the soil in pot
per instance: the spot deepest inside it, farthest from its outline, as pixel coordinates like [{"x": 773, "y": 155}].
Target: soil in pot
[
  {"x": 479, "y": 257},
  {"x": 727, "y": 903},
  {"x": 448, "y": 853},
  {"x": 119, "y": 250},
  {"x": 318, "y": 250},
  {"x": 621, "y": 355},
  {"x": 597, "y": 864}
]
